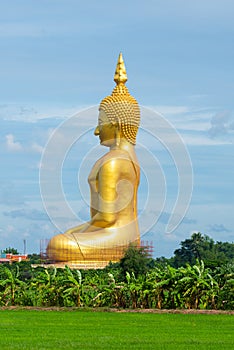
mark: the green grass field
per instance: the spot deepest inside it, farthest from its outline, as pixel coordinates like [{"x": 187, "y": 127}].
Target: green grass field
[{"x": 31, "y": 329}]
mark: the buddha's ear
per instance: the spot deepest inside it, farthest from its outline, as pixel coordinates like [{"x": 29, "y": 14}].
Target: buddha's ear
[
  {"x": 117, "y": 124},
  {"x": 117, "y": 135}
]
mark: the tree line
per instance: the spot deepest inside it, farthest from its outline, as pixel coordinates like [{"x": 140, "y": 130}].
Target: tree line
[{"x": 195, "y": 277}]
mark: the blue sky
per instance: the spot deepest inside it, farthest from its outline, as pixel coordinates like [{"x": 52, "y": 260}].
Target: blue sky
[{"x": 58, "y": 58}]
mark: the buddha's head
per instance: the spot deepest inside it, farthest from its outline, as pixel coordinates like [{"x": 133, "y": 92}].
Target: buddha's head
[{"x": 119, "y": 111}]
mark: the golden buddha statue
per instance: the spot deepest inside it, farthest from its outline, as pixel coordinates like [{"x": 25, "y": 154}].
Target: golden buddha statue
[{"x": 113, "y": 182}]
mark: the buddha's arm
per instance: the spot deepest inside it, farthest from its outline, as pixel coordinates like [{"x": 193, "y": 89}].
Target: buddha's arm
[
  {"x": 106, "y": 214},
  {"x": 76, "y": 229}
]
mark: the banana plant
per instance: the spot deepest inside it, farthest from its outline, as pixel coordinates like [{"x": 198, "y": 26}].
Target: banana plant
[
  {"x": 72, "y": 286},
  {"x": 44, "y": 289},
  {"x": 11, "y": 285},
  {"x": 200, "y": 288}
]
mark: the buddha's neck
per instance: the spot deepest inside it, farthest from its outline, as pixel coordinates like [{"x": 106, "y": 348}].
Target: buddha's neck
[{"x": 123, "y": 145}]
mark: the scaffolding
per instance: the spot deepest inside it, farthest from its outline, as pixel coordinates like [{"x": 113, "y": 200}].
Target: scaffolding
[{"x": 96, "y": 257}]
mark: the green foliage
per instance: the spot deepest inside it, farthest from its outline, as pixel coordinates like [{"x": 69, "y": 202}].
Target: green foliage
[
  {"x": 135, "y": 260},
  {"x": 11, "y": 286},
  {"x": 34, "y": 258},
  {"x": 202, "y": 247},
  {"x": 137, "y": 281},
  {"x": 162, "y": 287},
  {"x": 10, "y": 250}
]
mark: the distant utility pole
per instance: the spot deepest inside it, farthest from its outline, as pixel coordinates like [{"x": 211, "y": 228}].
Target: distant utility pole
[{"x": 24, "y": 246}]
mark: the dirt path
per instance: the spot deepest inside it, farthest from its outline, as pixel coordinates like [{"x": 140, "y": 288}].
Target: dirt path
[{"x": 153, "y": 311}]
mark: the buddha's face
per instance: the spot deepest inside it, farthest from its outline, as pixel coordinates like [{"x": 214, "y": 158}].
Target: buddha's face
[{"x": 105, "y": 130}]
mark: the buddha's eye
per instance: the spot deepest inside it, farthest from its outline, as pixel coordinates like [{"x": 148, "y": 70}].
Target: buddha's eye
[{"x": 101, "y": 123}]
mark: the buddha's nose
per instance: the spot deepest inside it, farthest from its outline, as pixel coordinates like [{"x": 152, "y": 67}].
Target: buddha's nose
[{"x": 96, "y": 131}]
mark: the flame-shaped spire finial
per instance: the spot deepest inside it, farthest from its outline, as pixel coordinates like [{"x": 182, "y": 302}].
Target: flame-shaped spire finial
[{"x": 120, "y": 72}]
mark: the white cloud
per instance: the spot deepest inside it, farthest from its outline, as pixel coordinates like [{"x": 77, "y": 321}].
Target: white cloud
[
  {"x": 218, "y": 228},
  {"x": 31, "y": 214},
  {"x": 10, "y": 194},
  {"x": 15, "y": 146},
  {"x": 195, "y": 126},
  {"x": 197, "y": 139},
  {"x": 33, "y": 113},
  {"x": 12, "y": 145},
  {"x": 17, "y": 112},
  {"x": 37, "y": 148},
  {"x": 171, "y": 110},
  {"x": 221, "y": 125},
  {"x": 34, "y": 29}
]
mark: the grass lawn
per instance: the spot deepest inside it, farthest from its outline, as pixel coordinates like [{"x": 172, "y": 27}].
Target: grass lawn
[{"x": 31, "y": 329}]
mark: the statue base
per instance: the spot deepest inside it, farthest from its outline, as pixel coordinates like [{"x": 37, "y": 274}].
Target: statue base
[{"x": 88, "y": 265}]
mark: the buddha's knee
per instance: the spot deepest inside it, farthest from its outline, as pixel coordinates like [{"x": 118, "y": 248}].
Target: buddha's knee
[{"x": 63, "y": 248}]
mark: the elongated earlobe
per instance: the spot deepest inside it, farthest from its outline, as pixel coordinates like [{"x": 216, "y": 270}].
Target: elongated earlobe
[{"x": 117, "y": 137}]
